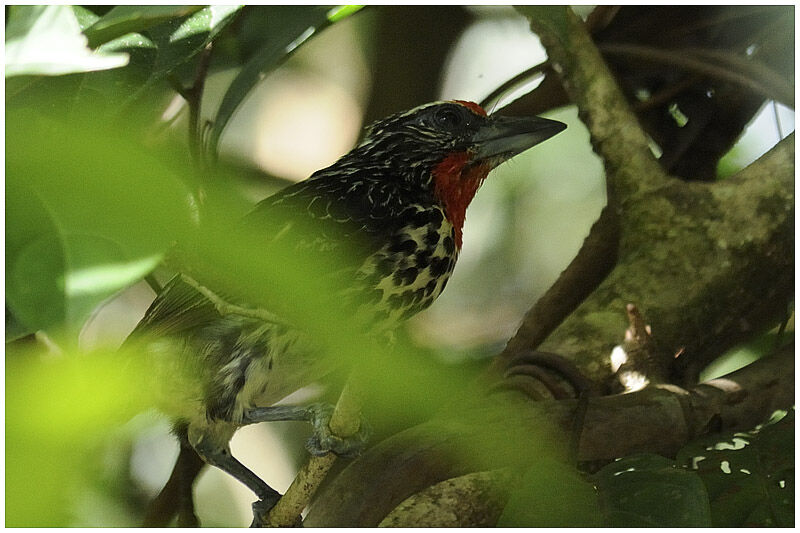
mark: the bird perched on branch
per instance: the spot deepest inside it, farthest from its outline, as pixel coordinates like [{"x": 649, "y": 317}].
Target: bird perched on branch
[{"x": 401, "y": 198}]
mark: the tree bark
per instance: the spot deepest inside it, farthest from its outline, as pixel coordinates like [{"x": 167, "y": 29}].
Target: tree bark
[{"x": 658, "y": 419}]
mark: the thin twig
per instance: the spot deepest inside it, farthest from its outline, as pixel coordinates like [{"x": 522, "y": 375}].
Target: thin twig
[
  {"x": 510, "y": 84},
  {"x": 344, "y": 423},
  {"x": 195, "y": 105},
  {"x": 667, "y": 94},
  {"x": 754, "y": 77}
]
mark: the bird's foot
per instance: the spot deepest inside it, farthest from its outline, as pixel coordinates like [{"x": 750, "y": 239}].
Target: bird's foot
[{"x": 323, "y": 440}]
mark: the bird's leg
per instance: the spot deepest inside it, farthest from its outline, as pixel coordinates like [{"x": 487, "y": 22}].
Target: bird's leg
[
  {"x": 322, "y": 440},
  {"x": 188, "y": 469},
  {"x": 176, "y": 496},
  {"x": 221, "y": 458}
]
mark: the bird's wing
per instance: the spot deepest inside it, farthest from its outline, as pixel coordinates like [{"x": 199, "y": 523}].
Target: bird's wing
[
  {"x": 328, "y": 213},
  {"x": 179, "y": 307},
  {"x": 322, "y": 215}
]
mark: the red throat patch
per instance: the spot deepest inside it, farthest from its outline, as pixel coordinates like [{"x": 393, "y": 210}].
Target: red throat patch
[{"x": 455, "y": 186}]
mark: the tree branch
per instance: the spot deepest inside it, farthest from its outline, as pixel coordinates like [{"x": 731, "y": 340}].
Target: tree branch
[
  {"x": 696, "y": 259},
  {"x": 616, "y": 135},
  {"x": 344, "y": 423},
  {"x": 750, "y": 75},
  {"x": 473, "y": 500},
  {"x": 659, "y": 419}
]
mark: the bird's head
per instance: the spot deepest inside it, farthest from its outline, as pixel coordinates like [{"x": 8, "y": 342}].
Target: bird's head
[{"x": 448, "y": 148}]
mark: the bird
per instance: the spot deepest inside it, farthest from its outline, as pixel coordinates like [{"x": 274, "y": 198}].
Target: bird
[{"x": 397, "y": 203}]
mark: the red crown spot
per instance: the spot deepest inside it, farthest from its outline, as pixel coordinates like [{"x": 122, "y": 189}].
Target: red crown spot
[
  {"x": 455, "y": 185},
  {"x": 475, "y": 108}
]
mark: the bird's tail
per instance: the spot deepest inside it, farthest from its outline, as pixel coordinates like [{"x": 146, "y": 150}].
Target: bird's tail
[{"x": 176, "y": 496}]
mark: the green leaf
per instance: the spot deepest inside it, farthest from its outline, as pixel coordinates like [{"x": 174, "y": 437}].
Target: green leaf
[
  {"x": 648, "y": 490},
  {"x": 155, "y": 53},
  {"x": 35, "y": 258},
  {"x": 98, "y": 267},
  {"x": 36, "y": 283},
  {"x": 342, "y": 12},
  {"x": 57, "y": 410},
  {"x": 107, "y": 92},
  {"x": 90, "y": 213},
  {"x": 84, "y": 17},
  {"x": 535, "y": 503},
  {"x": 129, "y": 19},
  {"x": 179, "y": 40},
  {"x": 294, "y": 25},
  {"x": 749, "y": 476},
  {"x": 47, "y": 40}
]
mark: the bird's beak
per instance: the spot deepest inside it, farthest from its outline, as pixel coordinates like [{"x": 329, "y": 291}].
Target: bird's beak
[{"x": 504, "y": 137}]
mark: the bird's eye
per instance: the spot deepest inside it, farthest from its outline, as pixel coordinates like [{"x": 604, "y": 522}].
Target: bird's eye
[{"x": 448, "y": 118}]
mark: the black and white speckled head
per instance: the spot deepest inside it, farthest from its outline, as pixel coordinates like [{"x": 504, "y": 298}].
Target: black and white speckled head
[{"x": 414, "y": 142}]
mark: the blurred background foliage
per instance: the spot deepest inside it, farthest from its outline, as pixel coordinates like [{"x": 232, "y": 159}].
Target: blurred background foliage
[{"x": 117, "y": 118}]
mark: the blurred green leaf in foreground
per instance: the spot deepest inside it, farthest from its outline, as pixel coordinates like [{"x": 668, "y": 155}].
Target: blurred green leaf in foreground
[{"x": 48, "y": 40}]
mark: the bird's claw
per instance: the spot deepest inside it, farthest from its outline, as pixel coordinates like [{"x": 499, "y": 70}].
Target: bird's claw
[{"x": 323, "y": 440}]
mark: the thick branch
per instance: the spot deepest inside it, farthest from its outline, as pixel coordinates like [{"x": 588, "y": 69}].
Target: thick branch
[
  {"x": 616, "y": 135},
  {"x": 656, "y": 419},
  {"x": 473, "y": 500},
  {"x": 707, "y": 264}
]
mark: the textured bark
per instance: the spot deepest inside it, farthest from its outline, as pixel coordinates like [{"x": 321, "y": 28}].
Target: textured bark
[
  {"x": 706, "y": 264},
  {"x": 656, "y": 419},
  {"x": 473, "y": 500}
]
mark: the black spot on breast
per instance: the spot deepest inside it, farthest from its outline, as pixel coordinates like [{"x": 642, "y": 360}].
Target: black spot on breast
[
  {"x": 432, "y": 237},
  {"x": 420, "y": 219},
  {"x": 430, "y": 287},
  {"x": 380, "y": 316},
  {"x": 408, "y": 298},
  {"x": 406, "y": 246},
  {"x": 436, "y": 217},
  {"x": 394, "y": 300},
  {"x": 385, "y": 266},
  {"x": 406, "y": 276},
  {"x": 438, "y": 266},
  {"x": 408, "y": 313},
  {"x": 423, "y": 257},
  {"x": 449, "y": 245}
]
